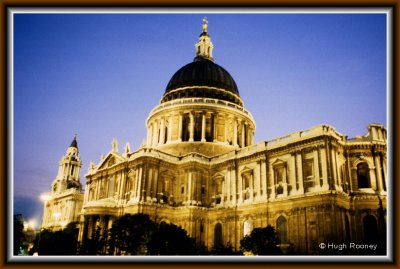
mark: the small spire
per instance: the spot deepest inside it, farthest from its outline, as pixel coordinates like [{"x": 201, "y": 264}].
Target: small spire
[
  {"x": 114, "y": 145},
  {"x": 127, "y": 148},
  {"x": 204, "y": 46},
  {"x": 74, "y": 143}
]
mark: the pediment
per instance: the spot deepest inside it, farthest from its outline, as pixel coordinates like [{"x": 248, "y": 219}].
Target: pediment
[
  {"x": 110, "y": 160},
  {"x": 218, "y": 175},
  {"x": 279, "y": 162},
  {"x": 246, "y": 169}
]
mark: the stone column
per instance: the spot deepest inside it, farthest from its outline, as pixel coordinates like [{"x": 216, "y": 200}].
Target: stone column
[
  {"x": 234, "y": 190},
  {"x": 325, "y": 185},
  {"x": 122, "y": 181},
  {"x": 90, "y": 227},
  {"x": 243, "y": 138},
  {"x": 240, "y": 188},
  {"x": 372, "y": 178},
  {"x": 292, "y": 173},
  {"x": 215, "y": 126},
  {"x": 285, "y": 181},
  {"x": 139, "y": 183},
  {"x": 271, "y": 181},
  {"x": 378, "y": 174},
  {"x": 228, "y": 186},
  {"x": 191, "y": 124},
  {"x": 162, "y": 132},
  {"x": 257, "y": 179},
  {"x": 203, "y": 127},
  {"x": 149, "y": 181},
  {"x": 189, "y": 188},
  {"x": 155, "y": 133},
  {"x": 223, "y": 194},
  {"x": 263, "y": 179},
  {"x": 85, "y": 196},
  {"x": 180, "y": 127},
  {"x": 226, "y": 129},
  {"x": 251, "y": 187},
  {"x": 299, "y": 164},
  {"x": 384, "y": 171},
  {"x": 133, "y": 183},
  {"x": 333, "y": 165},
  {"x": 235, "y": 132},
  {"x": 97, "y": 190},
  {"x": 170, "y": 129},
  {"x": 251, "y": 136},
  {"x": 316, "y": 169},
  {"x": 148, "y": 144},
  {"x": 155, "y": 183}
]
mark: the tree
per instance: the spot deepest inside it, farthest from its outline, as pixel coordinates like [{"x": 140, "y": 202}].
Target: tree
[
  {"x": 19, "y": 236},
  {"x": 170, "y": 239},
  {"x": 261, "y": 241},
  {"x": 62, "y": 242},
  {"x": 130, "y": 235},
  {"x": 224, "y": 250}
]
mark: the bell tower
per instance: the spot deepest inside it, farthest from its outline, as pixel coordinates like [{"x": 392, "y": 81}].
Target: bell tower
[
  {"x": 68, "y": 170},
  {"x": 64, "y": 203}
]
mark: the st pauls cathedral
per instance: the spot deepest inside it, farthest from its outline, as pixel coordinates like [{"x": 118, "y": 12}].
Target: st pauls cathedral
[{"x": 201, "y": 169}]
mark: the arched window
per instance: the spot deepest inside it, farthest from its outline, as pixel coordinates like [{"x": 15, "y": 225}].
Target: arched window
[
  {"x": 370, "y": 229},
  {"x": 166, "y": 134},
  {"x": 247, "y": 227},
  {"x": 281, "y": 228},
  {"x": 218, "y": 235},
  {"x": 363, "y": 176}
]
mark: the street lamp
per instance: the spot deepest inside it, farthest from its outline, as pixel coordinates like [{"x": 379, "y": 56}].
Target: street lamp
[{"x": 44, "y": 197}]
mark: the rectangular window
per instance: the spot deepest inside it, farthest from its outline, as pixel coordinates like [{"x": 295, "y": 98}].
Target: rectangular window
[
  {"x": 308, "y": 168},
  {"x": 279, "y": 175}
]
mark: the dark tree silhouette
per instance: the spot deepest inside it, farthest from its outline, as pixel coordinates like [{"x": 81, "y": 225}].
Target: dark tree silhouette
[
  {"x": 261, "y": 241},
  {"x": 19, "y": 236},
  {"x": 170, "y": 239},
  {"x": 224, "y": 250},
  {"x": 57, "y": 243},
  {"x": 130, "y": 235}
]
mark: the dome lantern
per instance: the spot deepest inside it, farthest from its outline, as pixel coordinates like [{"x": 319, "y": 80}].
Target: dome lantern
[{"x": 204, "y": 47}]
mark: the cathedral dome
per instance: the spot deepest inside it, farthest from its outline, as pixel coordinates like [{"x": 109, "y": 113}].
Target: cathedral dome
[
  {"x": 200, "y": 73},
  {"x": 201, "y": 110},
  {"x": 202, "y": 78}
]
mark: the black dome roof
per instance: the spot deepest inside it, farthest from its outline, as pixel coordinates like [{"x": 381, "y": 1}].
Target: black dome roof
[
  {"x": 202, "y": 78},
  {"x": 202, "y": 72}
]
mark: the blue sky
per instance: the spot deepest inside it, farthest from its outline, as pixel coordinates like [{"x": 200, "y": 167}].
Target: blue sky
[{"x": 99, "y": 75}]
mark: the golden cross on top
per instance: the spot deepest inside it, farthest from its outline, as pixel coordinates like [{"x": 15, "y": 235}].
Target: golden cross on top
[{"x": 205, "y": 22}]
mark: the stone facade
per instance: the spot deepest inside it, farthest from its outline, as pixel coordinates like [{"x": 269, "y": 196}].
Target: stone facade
[{"x": 200, "y": 169}]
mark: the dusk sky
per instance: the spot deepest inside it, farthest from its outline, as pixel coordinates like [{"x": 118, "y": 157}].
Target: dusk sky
[{"x": 99, "y": 76}]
